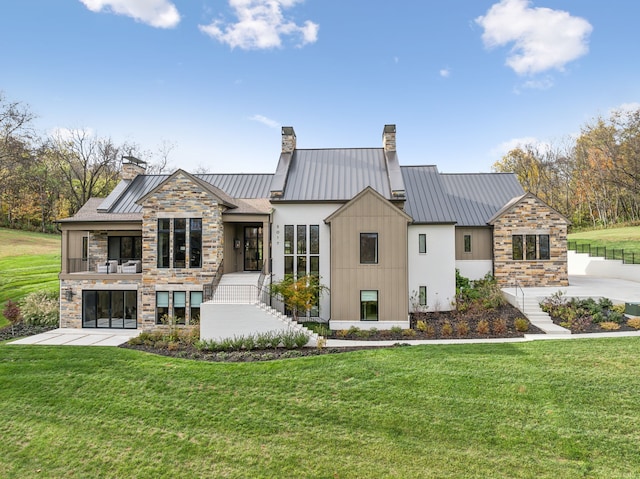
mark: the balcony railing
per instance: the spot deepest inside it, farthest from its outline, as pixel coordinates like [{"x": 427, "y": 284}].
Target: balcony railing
[{"x": 115, "y": 266}]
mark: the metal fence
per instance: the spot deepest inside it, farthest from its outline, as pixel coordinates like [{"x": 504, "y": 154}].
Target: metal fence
[{"x": 627, "y": 257}]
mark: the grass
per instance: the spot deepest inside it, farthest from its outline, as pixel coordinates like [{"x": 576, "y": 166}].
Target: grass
[
  {"x": 548, "y": 409},
  {"x": 627, "y": 238},
  {"x": 28, "y": 262}
]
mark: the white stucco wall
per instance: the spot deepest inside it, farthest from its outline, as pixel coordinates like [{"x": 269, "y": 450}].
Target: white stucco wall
[
  {"x": 583, "y": 264},
  {"x": 474, "y": 269},
  {"x": 434, "y": 269},
  {"x": 304, "y": 214}
]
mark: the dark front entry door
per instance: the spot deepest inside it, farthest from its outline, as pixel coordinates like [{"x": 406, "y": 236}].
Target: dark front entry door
[{"x": 253, "y": 248}]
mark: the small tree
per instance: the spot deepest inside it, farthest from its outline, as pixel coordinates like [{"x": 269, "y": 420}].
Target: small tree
[
  {"x": 299, "y": 294},
  {"x": 12, "y": 313}
]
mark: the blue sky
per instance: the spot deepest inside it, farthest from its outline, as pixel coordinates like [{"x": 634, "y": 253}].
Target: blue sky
[{"x": 461, "y": 79}]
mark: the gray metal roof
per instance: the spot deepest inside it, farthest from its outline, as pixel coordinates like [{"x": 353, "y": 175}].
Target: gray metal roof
[
  {"x": 235, "y": 185},
  {"x": 427, "y": 201},
  {"x": 335, "y": 174},
  {"x": 476, "y": 197}
]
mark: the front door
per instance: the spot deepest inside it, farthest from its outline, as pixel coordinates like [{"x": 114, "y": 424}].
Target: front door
[{"x": 253, "y": 248}]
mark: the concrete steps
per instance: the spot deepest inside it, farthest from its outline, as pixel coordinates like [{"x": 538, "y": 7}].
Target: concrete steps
[
  {"x": 530, "y": 307},
  {"x": 288, "y": 322}
]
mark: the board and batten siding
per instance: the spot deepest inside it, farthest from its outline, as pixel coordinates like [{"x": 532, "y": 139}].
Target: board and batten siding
[{"x": 369, "y": 212}]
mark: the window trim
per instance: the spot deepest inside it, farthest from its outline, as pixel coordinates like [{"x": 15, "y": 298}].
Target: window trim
[
  {"x": 363, "y": 302},
  {"x": 370, "y": 237},
  {"x": 422, "y": 243},
  {"x": 467, "y": 246},
  {"x": 422, "y": 295},
  {"x": 521, "y": 243}
]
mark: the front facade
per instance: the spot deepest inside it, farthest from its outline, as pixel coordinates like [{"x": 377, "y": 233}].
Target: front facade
[{"x": 384, "y": 239}]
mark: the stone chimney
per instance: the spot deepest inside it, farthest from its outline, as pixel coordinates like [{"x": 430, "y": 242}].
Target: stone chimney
[
  {"x": 132, "y": 167},
  {"x": 389, "y": 138},
  {"x": 288, "y": 139}
]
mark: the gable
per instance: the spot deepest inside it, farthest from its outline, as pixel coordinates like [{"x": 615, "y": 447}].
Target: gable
[
  {"x": 368, "y": 203},
  {"x": 532, "y": 206}
]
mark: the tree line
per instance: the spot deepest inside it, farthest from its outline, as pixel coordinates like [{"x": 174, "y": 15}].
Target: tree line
[
  {"x": 44, "y": 177},
  {"x": 594, "y": 179}
]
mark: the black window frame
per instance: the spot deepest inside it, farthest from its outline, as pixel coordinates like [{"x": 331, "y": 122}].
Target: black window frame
[
  {"x": 466, "y": 243},
  {"x": 369, "y": 242},
  {"x": 365, "y": 303},
  {"x": 422, "y": 243}
]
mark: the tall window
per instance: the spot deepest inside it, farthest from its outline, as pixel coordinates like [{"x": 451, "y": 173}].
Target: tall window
[
  {"x": 109, "y": 309},
  {"x": 125, "y": 248},
  {"x": 302, "y": 253},
  {"x": 179, "y": 306},
  {"x": 530, "y": 247},
  {"x": 467, "y": 243},
  {"x": 422, "y": 296},
  {"x": 195, "y": 300},
  {"x": 422, "y": 243},
  {"x": 162, "y": 306},
  {"x": 163, "y": 242},
  {"x": 369, "y": 305},
  {"x": 195, "y": 243},
  {"x": 179, "y": 242},
  {"x": 368, "y": 248}
]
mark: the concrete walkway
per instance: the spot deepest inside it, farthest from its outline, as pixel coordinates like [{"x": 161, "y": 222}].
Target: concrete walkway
[{"x": 80, "y": 337}]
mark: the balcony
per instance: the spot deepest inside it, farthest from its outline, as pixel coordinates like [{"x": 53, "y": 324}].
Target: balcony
[{"x": 114, "y": 266}]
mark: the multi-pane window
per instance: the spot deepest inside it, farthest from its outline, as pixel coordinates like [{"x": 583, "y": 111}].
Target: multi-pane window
[
  {"x": 178, "y": 307},
  {"x": 530, "y": 247},
  {"x": 368, "y": 248},
  {"x": 176, "y": 244},
  {"x": 162, "y": 306},
  {"x": 422, "y": 296},
  {"x": 302, "y": 253},
  {"x": 467, "y": 243},
  {"x": 195, "y": 301},
  {"x": 369, "y": 305},
  {"x": 125, "y": 248},
  {"x": 422, "y": 243},
  {"x": 109, "y": 309}
]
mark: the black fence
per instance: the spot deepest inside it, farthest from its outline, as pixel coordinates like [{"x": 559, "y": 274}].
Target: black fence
[{"x": 627, "y": 257}]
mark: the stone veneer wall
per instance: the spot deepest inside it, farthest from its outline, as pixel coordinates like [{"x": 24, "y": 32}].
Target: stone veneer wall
[
  {"x": 71, "y": 311},
  {"x": 179, "y": 197},
  {"x": 530, "y": 216},
  {"x": 98, "y": 247}
]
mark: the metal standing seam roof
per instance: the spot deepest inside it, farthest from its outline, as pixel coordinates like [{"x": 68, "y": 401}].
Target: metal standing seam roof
[
  {"x": 427, "y": 201},
  {"x": 476, "y": 197},
  {"x": 248, "y": 186},
  {"x": 336, "y": 174}
]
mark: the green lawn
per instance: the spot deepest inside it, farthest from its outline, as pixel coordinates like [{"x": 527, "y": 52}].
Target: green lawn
[
  {"x": 549, "y": 409},
  {"x": 28, "y": 262},
  {"x": 627, "y": 238}
]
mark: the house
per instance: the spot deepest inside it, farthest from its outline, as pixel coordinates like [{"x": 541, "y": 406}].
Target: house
[{"x": 384, "y": 238}]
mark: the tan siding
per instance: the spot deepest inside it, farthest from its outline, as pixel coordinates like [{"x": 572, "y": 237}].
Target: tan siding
[
  {"x": 369, "y": 213},
  {"x": 481, "y": 243}
]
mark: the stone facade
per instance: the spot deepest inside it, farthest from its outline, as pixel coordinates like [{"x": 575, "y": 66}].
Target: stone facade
[
  {"x": 178, "y": 197},
  {"x": 530, "y": 216}
]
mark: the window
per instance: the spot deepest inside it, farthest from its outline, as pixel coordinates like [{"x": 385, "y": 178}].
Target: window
[
  {"x": 530, "y": 247},
  {"x": 368, "y": 305},
  {"x": 314, "y": 239},
  {"x": 179, "y": 242},
  {"x": 288, "y": 239},
  {"x": 422, "y": 296},
  {"x": 179, "y": 306},
  {"x": 125, "y": 248},
  {"x": 368, "y": 248},
  {"x": 467, "y": 243},
  {"x": 545, "y": 251},
  {"x": 162, "y": 306},
  {"x": 163, "y": 242},
  {"x": 422, "y": 243},
  {"x": 302, "y": 239},
  {"x": 195, "y": 300},
  {"x": 195, "y": 243},
  {"x": 109, "y": 309},
  {"x": 85, "y": 248}
]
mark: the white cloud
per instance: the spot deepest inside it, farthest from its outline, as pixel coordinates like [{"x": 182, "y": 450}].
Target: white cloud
[
  {"x": 261, "y": 24},
  {"x": 543, "y": 39},
  {"x": 625, "y": 108},
  {"x": 506, "y": 146},
  {"x": 157, "y": 13},
  {"x": 265, "y": 121},
  {"x": 445, "y": 73},
  {"x": 68, "y": 134}
]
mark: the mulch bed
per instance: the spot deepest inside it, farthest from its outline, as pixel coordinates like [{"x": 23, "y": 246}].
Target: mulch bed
[{"x": 21, "y": 329}]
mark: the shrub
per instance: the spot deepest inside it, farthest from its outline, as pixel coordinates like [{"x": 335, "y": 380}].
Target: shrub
[
  {"x": 634, "y": 323},
  {"x": 521, "y": 325},
  {"x": 421, "y": 325},
  {"x": 482, "y": 327},
  {"x": 615, "y": 317},
  {"x": 462, "y": 327},
  {"x": 11, "y": 311},
  {"x": 342, "y": 333},
  {"x": 618, "y": 308},
  {"x": 40, "y": 309},
  {"x": 409, "y": 333},
  {"x": 249, "y": 342},
  {"x": 430, "y": 330},
  {"x": 609, "y": 325},
  {"x": 447, "y": 329},
  {"x": 499, "y": 327},
  {"x": 396, "y": 330}
]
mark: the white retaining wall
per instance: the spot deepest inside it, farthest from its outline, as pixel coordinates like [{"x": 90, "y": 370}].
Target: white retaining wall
[{"x": 583, "y": 264}]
